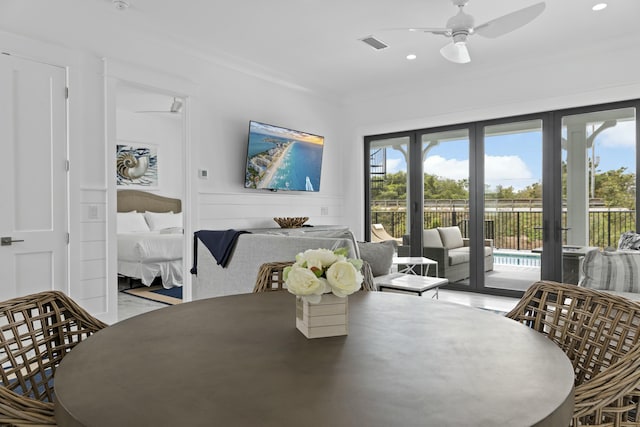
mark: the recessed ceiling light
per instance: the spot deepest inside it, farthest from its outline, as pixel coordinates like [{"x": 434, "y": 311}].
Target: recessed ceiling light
[
  {"x": 599, "y": 6},
  {"x": 411, "y": 57}
]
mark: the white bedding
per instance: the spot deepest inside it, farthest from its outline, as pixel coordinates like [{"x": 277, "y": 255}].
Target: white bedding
[
  {"x": 149, "y": 247},
  {"x": 147, "y": 255}
]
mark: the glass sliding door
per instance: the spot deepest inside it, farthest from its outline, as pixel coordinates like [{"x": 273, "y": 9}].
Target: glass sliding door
[
  {"x": 445, "y": 203},
  {"x": 500, "y": 204},
  {"x": 598, "y": 183},
  {"x": 388, "y": 188},
  {"x": 513, "y": 187}
]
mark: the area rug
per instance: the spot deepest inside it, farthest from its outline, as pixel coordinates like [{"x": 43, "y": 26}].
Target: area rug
[{"x": 170, "y": 296}]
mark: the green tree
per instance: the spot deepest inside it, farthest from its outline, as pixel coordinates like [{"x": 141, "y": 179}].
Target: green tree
[
  {"x": 533, "y": 191},
  {"x": 444, "y": 188},
  {"x": 616, "y": 188},
  {"x": 393, "y": 187}
]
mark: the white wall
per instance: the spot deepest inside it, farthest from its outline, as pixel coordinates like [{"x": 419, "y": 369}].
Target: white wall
[
  {"x": 230, "y": 101},
  {"x": 165, "y": 134},
  {"x": 561, "y": 81}
]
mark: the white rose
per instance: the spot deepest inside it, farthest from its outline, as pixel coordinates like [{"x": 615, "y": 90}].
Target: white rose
[
  {"x": 318, "y": 258},
  {"x": 303, "y": 282},
  {"x": 343, "y": 278}
]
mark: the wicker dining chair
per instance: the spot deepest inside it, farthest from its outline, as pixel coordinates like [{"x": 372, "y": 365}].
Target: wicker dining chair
[
  {"x": 36, "y": 332},
  {"x": 599, "y": 332},
  {"x": 271, "y": 277}
]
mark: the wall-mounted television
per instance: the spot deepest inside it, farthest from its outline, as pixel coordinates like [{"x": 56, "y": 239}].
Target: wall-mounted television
[{"x": 282, "y": 159}]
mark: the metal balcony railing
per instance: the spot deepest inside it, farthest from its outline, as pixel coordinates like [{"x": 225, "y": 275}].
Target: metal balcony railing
[{"x": 516, "y": 228}]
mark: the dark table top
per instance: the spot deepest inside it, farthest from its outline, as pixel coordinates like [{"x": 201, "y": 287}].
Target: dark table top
[{"x": 240, "y": 361}]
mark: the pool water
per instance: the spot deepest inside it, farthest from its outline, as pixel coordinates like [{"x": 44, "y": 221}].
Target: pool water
[{"x": 526, "y": 259}]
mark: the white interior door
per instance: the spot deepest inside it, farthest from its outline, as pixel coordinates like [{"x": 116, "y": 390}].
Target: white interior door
[{"x": 33, "y": 194}]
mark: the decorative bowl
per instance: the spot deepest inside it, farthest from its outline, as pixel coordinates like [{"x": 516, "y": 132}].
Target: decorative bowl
[{"x": 291, "y": 222}]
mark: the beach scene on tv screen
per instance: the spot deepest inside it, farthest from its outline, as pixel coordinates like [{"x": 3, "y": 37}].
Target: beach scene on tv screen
[{"x": 283, "y": 159}]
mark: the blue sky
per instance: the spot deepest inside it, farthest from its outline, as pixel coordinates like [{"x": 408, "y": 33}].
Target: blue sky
[{"x": 516, "y": 160}]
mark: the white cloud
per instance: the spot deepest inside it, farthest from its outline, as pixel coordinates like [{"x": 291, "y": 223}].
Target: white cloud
[
  {"x": 508, "y": 171},
  {"x": 446, "y": 168}
]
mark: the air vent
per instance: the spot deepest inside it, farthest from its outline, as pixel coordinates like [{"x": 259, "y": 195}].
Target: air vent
[{"x": 374, "y": 43}]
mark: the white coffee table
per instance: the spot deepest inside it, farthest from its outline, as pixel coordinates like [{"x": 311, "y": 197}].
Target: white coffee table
[
  {"x": 412, "y": 261},
  {"x": 413, "y": 283}
]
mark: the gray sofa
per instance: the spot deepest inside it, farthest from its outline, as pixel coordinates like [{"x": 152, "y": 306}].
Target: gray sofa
[
  {"x": 249, "y": 253},
  {"x": 450, "y": 250}
]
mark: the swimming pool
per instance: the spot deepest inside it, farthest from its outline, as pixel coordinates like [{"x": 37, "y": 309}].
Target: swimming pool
[{"x": 525, "y": 259}]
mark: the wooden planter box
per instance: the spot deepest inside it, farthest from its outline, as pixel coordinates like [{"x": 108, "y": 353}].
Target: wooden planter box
[{"x": 328, "y": 318}]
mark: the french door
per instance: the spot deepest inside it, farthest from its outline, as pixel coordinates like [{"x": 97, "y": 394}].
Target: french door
[
  {"x": 530, "y": 195},
  {"x": 599, "y": 181}
]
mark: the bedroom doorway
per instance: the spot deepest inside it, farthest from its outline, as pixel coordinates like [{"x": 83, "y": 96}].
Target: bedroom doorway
[{"x": 149, "y": 151}]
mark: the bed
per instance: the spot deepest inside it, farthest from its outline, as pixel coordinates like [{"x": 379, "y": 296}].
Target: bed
[{"x": 150, "y": 238}]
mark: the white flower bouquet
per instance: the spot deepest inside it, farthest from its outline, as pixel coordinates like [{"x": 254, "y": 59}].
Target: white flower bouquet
[{"x": 320, "y": 271}]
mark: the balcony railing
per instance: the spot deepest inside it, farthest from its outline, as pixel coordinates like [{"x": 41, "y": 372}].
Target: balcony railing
[{"x": 518, "y": 228}]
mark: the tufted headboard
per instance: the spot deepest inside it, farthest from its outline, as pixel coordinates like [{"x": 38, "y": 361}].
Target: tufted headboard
[{"x": 141, "y": 201}]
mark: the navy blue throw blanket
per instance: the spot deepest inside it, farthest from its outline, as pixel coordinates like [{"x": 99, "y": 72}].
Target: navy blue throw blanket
[{"x": 219, "y": 242}]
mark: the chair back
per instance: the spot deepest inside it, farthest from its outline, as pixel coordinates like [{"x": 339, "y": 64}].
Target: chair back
[
  {"x": 36, "y": 331},
  {"x": 595, "y": 329},
  {"x": 600, "y": 334},
  {"x": 271, "y": 276}
]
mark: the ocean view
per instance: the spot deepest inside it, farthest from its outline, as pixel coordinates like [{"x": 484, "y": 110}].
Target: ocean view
[
  {"x": 283, "y": 163},
  {"x": 301, "y": 161}
]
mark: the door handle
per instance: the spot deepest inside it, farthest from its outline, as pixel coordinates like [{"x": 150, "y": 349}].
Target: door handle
[
  {"x": 7, "y": 241},
  {"x": 545, "y": 231}
]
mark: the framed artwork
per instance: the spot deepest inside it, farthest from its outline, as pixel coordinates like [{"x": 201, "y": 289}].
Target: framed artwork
[{"x": 137, "y": 165}]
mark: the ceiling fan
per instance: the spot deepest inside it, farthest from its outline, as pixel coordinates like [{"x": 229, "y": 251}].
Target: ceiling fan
[
  {"x": 176, "y": 107},
  {"x": 461, "y": 26}
]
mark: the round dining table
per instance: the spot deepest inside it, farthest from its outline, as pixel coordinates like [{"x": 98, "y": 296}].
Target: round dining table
[{"x": 240, "y": 361}]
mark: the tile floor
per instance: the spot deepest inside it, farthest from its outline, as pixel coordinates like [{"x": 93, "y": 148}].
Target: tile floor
[{"x": 129, "y": 306}]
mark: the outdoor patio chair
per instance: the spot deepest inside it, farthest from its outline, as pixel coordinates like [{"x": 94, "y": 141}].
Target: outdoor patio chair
[
  {"x": 599, "y": 332},
  {"x": 379, "y": 234},
  {"x": 36, "y": 332}
]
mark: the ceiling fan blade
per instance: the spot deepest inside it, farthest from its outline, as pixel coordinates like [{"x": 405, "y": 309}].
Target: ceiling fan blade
[
  {"x": 434, "y": 30},
  {"x": 440, "y": 31},
  {"x": 456, "y": 52},
  {"x": 156, "y": 111},
  {"x": 510, "y": 22}
]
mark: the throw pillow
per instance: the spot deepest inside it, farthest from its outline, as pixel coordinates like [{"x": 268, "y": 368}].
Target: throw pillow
[
  {"x": 629, "y": 240},
  {"x": 431, "y": 238},
  {"x": 378, "y": 254},
  {"x": 612, "y": 271},
  {"x": 131, "y": 222},
  {"x": 451, "y": 237},
  {"x": 160, "y": 220}
]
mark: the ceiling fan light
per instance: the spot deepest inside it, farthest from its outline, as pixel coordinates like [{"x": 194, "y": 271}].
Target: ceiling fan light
[{"x": 456, "y": 52}]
